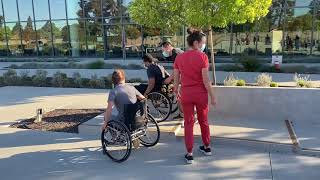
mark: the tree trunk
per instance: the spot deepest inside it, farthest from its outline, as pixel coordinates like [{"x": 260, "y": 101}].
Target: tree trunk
[{"x": 214, "y": 80}]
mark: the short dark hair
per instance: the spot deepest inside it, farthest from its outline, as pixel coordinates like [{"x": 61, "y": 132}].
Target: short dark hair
[
  {"x": 148, "y": 58},
  {"x": 194, "y": 36},
  {"x": 118, "y": 76},
  {"x": 165, "y": 43}
]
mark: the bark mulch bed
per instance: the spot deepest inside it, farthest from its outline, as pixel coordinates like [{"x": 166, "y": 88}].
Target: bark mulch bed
[{"x": 60, "y": 120}]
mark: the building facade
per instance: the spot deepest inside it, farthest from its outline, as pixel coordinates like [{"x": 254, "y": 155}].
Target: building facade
[{"x": 102, "y": 28}]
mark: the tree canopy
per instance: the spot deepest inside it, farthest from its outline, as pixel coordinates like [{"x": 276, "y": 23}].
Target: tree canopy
[{"x": 172, "y": 14}]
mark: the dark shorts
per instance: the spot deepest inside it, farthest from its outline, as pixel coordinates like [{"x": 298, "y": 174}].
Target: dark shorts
[{"x": 143, "y": 87}]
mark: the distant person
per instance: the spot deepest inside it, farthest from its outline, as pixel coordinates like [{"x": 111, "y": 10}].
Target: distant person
[
  {"x": 169, "y": 52},
  {"x": 267, "y": 40},
  {"x": 191, "y": 69},
  {"x": 297, "y": 42}
]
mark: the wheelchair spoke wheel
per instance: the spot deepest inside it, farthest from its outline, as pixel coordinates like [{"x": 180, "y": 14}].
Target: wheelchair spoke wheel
[
  {"x": 116, "y": 141},
  {"x": 152, "y": 133},
  {"x": 174, "y": 103},
  {"x": 159, "y": 106}
]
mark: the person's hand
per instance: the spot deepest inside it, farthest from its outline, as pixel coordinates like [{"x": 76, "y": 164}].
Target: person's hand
[
  {"x": 145, "y": 95},
  {"x": 213, "y": 101},
  {"x": 104, "y": 126}
]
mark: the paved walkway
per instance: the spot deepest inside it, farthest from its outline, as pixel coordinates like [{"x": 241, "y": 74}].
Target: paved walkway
[
  {"x": 48, "y": 155},
  {"x": 27, "y": 154}
]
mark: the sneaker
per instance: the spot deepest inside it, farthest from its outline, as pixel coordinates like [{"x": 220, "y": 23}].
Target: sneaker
[
  {"x": 189, "y": 159},
  {"x": 205, "y": 151}
]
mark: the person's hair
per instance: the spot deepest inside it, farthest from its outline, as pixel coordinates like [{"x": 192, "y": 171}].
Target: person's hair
[
  {"x": 118, "y": 76},
  {"x": 166, "y": 43},
  {"x": 148, "y": 58},
  {"x": 194, "y": 35}
]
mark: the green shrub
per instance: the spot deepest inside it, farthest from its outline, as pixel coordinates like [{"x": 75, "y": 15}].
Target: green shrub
[
  {"x": 77, "y": 80},
  {"x": 230, "y": 80},
  {"x": 274, "y": 84},
  {"x": 60, "y": 79},
  {"x": 2, "y": 82},
  {"x": 241, "y": 82},
  {"x": 25, "y": 79},
  {"x": 303, "y": 81},
  {"x": 135, "y": 80},
  {"x": 264, "y": 80},
  {"x": 13, "y": 66},
  {"x": 40, "y": 78},
  {"x": 96, "y": 82},
  {"x": 10, "y": 77},
  {"x": 107, "y": 82},
  {"x": 134, "y": 67},
  {"x": 96, "y": 65},
  {"x": 294, "y": 69},
  {"x": 250, "y": 64}
]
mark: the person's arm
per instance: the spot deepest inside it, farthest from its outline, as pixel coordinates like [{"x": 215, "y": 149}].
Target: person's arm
[
  {"x": 207, "y": 84},
  {"x": 107, "y": 114},
  {"x": 140, "y": 97},
  {"x": 151, "y": 84},
  {"x": 176, "y": 81},
  {"x": 169, "y": 79}
]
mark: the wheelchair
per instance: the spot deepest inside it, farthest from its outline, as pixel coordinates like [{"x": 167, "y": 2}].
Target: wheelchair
[
  {"x": 117, "y": 138},
  {"x": 162, "y": 103}
]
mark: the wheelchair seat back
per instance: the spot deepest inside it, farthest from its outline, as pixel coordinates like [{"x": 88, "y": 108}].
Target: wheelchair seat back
[{"x": 134, "y": 120}]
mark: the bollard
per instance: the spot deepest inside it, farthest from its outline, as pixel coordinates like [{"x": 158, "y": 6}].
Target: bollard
[
  {"x": 277, "y": 65},
  {"x": 39, "y": 115}
]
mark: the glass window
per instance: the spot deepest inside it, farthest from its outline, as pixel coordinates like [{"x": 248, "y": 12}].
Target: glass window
[
  {"x": 41, "y": 9},
  {"x": 114, "y": 46},
  {"x": 74, "y": 9},
  {"x": 299, "y": 29},
  {"x": 299, "y": 3},
  {"x": 14, "y": 40},
  {"x": 60, "y": 38},
  {"x": 92, "y": 8},
  {"x": 10, "y": 10},
  {"x": 44, "y": 38},
  {"x": 29, "y": 40},
  {"x": 134, "y": 41},
  {"x": 316, "y": 35},
  {"x": 25, "y": 9},
  {"x": 77, "y": 38},
  {"x": 58, "y": 9},
  {"x": 95, "y": 38}
]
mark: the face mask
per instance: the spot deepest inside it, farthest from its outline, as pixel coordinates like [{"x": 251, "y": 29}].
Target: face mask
[
  {"x": 165, "y": 54},
  {"x": 203, "y": 47}
]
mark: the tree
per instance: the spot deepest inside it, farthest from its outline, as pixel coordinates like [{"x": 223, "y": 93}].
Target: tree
[
  {"x": 173, "y": 14},
  {"x": 28, "y": 32},
  {"x": 16, "y": 29}
]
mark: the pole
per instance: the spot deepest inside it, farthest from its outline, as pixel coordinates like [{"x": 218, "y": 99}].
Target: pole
[{"x": 214, "y": 81}]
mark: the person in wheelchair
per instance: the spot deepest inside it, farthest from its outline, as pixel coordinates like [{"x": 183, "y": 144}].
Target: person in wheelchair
[
  {"x": 122, "y": 95},
  {"x": 157, "y": 76}
]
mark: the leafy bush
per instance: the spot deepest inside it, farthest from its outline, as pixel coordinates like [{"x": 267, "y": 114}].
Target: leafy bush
[
  {"x": 264, "y": 80},
  {"x": 107, "y": 82},
  {"x": 250, "y": 64},
  {"x": 25, "y": 79},
  {"x": 10, "y": 77},
  {"x": 303, "y": 81},
  {"x": 294, "y": 69},
  {"x": 230, "y": 80},
  {"x": 96, "y": 65},
  {"x": 134, "y": 66},
  {"x": 95, "y": 82},
  {"x": 2, "y": 82},
  {"x": 60, "y": 79},
  {"x": 135, "y": 80},
  {"x": 40, "y": 78},
  {"x": 241, "y": 82},
  {"x": 274, "y": 84},
  {"x": 77, "y": 80}
]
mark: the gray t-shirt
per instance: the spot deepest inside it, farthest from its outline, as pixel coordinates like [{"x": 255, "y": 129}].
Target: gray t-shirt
[{"x": 123, "y": 94}]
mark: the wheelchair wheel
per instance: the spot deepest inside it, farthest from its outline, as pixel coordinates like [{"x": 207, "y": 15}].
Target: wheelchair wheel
[
  {"x": 116, "y": 141},
  {"x": 159, "y": 106},
  {"x": 152, "y": 133}
]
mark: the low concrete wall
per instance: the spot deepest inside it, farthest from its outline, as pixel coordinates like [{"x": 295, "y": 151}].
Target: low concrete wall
[{"x": 267, "y": 104}]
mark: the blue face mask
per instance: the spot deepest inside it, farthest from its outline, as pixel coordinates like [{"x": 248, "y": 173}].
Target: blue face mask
[
  {"x": 203, "y": 47},
  {"x": 165, "y": 54}
]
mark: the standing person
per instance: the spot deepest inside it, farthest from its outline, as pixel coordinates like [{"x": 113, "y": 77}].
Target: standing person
[
  {"x": 192, "y": 70},
  {"x": 169, "y": 52}
]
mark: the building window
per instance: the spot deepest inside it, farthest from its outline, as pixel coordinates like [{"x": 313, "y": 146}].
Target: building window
[
  {"x": 58, "y": 9},
  {"x": 41, "y": 9},
  {"x": 10, "y": 10}
]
